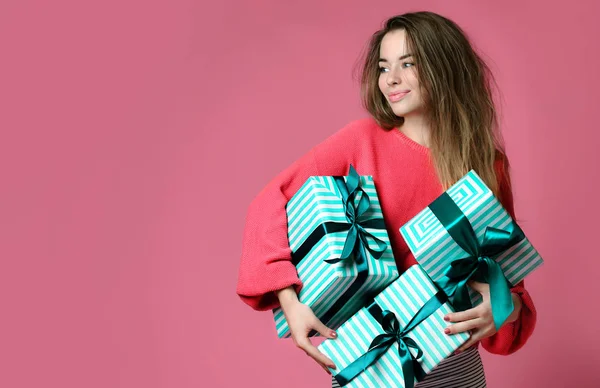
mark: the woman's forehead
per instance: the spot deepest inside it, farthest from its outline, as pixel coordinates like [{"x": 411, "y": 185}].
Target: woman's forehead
[{"x": 394, "y": 44}]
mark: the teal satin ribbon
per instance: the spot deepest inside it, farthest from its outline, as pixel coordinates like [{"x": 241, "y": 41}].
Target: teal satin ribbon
[
  {"x": 479, "y": 265},
  {"x": 411, "y": 368},
  {"x": 357, "y": 239}
]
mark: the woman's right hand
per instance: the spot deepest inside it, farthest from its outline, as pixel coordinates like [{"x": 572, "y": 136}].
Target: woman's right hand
[{"x": 301, "y": 320}]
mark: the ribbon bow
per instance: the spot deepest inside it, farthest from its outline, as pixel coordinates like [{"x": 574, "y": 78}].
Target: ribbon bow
[
  {"x": 394, "y": 333},
  {"x": 356, "y": 240},
  {"x": 479, "y": 265}
]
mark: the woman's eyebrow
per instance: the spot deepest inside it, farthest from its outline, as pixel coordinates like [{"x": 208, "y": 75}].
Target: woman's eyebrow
[{"x": 401, "y": 58}]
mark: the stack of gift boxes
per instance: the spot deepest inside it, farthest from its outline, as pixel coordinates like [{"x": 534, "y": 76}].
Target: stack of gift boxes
[{"x": 390, "y": 327}]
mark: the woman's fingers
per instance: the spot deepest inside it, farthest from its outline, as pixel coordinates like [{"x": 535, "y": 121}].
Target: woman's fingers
[
  {"x": 320, "y": 357},
  {"x": 476, "y": 336},
  {"x": 482, "y": 288},
  {"x": 322, "y": 329},
  {"x": 302, "y": 321},
  {"x": 305, "y": 344},
  {"x": 462, "y": 315},
  {"x": 464, "y": 326},
  {"x": 325, "y": 369}
]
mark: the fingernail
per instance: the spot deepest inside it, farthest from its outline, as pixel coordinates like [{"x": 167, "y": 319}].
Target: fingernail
[
  {"x": 447, "y": 331},
  {"x": 446, "y": 318},
  {"x": 457, "y": 351},
  {"x": 333, "y": 334}
]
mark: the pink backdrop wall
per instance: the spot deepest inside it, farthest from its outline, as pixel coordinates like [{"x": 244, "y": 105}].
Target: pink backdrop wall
[{"x": 135, "y": 134}]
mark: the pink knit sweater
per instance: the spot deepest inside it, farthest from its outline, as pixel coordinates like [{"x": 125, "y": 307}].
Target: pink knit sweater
[{"x": 406, "y": 183}]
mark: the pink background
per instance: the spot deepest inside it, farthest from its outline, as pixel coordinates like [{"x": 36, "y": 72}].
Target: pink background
[{"x": 135, "y": 134}]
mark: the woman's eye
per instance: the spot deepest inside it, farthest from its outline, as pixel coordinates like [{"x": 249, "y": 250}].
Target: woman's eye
[{"x": 404, "y": 65}]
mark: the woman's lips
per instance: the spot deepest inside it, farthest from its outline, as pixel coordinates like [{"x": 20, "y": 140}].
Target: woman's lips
[{"x": 397, "y": 96}]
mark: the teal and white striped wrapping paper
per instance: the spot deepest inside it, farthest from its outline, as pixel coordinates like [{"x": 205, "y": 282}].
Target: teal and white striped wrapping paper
[
  {"x": 317, "y": 201},
  {"x": 404, "y": 297},
  {"x": 434, "y": 249}
]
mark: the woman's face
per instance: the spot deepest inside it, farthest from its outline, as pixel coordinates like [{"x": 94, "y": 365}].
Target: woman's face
[{"x": 398, "y": 76}]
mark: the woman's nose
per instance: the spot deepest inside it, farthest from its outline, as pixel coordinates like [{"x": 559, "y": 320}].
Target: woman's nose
[{"x": 393, "y": 78}]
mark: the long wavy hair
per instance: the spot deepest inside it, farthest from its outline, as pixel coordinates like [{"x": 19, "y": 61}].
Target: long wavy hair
[{"x": 457, "y": 88}]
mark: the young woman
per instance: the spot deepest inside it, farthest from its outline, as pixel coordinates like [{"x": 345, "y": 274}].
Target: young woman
[{"x": 432, "y": 120}]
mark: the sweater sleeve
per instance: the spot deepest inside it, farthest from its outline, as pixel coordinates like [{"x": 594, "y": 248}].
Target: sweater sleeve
[
  {"x": 512, "y": 336},
  {"x": 266, "y": 265}
]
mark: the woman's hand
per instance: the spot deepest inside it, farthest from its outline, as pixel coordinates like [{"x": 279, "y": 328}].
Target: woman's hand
[
  {"x": 479, "y": 320},
  {"x": 301, "y": 321}
]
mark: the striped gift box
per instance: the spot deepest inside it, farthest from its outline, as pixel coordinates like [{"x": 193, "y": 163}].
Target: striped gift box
[
  {"x": 318, "y": 201},
  {"x": 434, "y": 249},
  {"x": 404, "y": 297}
]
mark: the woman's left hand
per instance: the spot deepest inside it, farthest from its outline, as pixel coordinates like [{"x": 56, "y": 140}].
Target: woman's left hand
[{"x": 479, "y": 319}]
